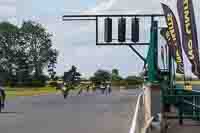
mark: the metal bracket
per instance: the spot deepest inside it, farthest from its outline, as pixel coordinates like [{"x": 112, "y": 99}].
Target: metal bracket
[{"x": 137, "y": 53}]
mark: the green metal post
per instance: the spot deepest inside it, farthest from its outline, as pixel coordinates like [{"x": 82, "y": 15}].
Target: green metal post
[
  {"x": 170, "y": 67},
  {"x": 152, "y": 59}
]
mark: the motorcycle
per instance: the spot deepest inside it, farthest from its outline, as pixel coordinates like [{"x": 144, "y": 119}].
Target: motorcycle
[
  {"x": 65, "y": 93},
  {"x": 2, "y": 100},
  {"x": 0, "y": 104}
]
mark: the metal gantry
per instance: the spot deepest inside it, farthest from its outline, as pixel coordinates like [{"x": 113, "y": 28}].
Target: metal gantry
[
  {"x": 170, "y": 95},
  {"x": 152, "y": 58}
]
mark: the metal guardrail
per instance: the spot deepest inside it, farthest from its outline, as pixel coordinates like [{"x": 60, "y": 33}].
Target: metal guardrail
[
  {"x": 138, "y": 119},
  {"x": 187, "y": 103},
  {"x": 192, "y": 104},
  {"x": 142, "y": 119}
]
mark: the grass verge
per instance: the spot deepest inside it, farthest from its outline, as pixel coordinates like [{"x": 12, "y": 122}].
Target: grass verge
[{"x": 14, "y": 92}]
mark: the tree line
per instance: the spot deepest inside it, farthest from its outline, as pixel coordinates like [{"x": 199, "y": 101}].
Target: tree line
[
  {"x": 72, "y": 78},
  {"x": 25, "y": 52},
  {"x": 101, "y": 76}
]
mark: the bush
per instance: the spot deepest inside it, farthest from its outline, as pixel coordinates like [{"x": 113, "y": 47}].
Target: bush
[
  {"x": 37, "y": 83},
  {"x": 127, "y": 82},
  {"x": 53, "y": 84},
  {"x": 30, "y": 81},
  {"x": 134, "y": 82},
  {"x": 119, "y": 83}
]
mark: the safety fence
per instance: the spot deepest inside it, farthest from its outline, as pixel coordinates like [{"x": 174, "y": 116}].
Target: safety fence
[
  {"x": 187, "y": 103},
  {"x": 140, "y": 121}
]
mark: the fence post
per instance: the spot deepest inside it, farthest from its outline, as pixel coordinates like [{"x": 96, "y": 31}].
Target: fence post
[
  {"x": 181, "y": 111},
  {"x": 147, "y": 103}
]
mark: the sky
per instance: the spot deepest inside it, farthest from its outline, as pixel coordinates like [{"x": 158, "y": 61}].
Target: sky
[{"x": 75, "y": 41}]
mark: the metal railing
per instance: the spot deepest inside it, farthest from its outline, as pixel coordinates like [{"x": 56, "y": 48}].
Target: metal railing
[
  {"x": 138, "y": 119},
  {"x": 187, "y": 103}
]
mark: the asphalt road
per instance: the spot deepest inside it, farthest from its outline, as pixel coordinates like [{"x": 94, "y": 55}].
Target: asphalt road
[{"x": 89, "y": 113}]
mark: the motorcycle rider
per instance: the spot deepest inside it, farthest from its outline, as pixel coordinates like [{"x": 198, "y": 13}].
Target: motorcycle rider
[
  {"x": 109, "y": 88},
  {"x": 64, "y": 90},
  {"x": 2, "y": 93}
]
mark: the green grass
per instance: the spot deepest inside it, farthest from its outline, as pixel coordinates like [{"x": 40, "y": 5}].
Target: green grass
[
  {"x": 32, "y": 91},
  {"x": 14, "y": 92}
]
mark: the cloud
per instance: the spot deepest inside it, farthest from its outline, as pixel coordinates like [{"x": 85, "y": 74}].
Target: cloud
[
  {"x": 7, "y": 11},
  {"x": 8, "y": 1},
  {"x": 76, "y": 40},
  {"x": 105, "y": 5}
]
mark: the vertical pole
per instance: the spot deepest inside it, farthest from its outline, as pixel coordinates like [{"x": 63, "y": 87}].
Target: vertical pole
[
  {"x": 97, "y": 32},
  {"x": 181, "y": 111},
  {"x": 170, "y": 67},
  {"x": 153, "y": 54},
  {"x": 198, "y": 114}
]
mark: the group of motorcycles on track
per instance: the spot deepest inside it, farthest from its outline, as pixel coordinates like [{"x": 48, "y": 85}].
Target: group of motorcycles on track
[{"x": 65, "y": 89}]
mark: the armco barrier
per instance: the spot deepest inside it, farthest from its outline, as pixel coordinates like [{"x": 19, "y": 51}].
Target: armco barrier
[
  {"x": 141, "y": 121},
  {"x": 138, "y": 118}
]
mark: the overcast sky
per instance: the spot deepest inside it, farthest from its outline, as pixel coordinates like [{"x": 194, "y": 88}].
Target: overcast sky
[{"x": 76, "y": 41}]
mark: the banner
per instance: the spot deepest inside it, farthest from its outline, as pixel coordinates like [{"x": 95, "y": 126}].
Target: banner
[
  {"x": 189, "y": 33},
  {"x": 171, "y": 34},
  {"x": 174, "y": 51}
]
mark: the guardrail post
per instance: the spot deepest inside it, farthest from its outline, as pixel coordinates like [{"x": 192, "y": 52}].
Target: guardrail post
[
  {"x": 181, "y": 111},
  {"x": 197, "y": 103},
  {"x": 147, "y": 102}
]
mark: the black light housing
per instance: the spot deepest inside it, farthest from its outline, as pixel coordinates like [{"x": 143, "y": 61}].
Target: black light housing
[
  {"x": 108, "y": 30},
  {"x": 122, "y": 29},
  {"x": 135, "y": 30}
]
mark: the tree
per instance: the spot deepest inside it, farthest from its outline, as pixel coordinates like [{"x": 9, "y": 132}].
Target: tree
[
  {"x": 52, "y": 64},
  {"x": 134, "y": 80},
  {"x": 101, "y": 76},
  {"x": 24, "y": 51},
  {"x": 38, "y": 42},
  {"x": 72, "y": 76},
  {"x": 8, "y": 42},
  {"x": 22, "y": 68},
  {"x": 115, "y": 75}
]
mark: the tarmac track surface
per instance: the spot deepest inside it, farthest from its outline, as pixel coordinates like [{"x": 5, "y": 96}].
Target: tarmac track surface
[{"x": 89, "y": 113}]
